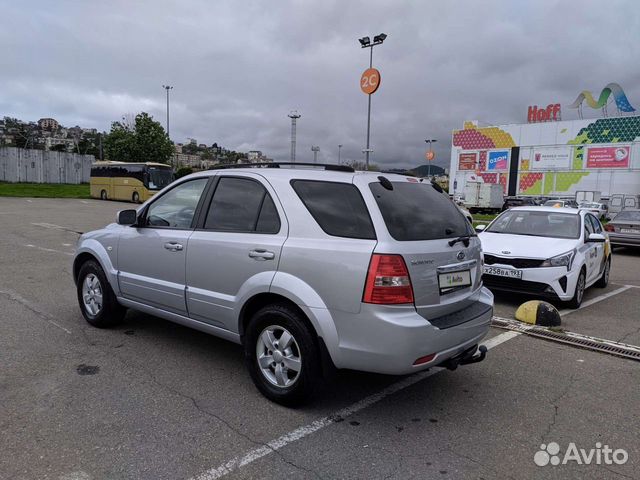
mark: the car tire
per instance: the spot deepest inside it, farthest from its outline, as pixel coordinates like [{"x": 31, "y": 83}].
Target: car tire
[
  {"x": 603, "y": 281},
  {"x": 578, "y": 295},
  {"x": 262, "y": 344},
  {"x": 135, "y": 197},
  {"x": 97, "y": 301},
  {"x": 103, "y": 195}
]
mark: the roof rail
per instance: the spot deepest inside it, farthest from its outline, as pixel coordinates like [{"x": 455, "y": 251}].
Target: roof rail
[{"x": 326, "y": 166}]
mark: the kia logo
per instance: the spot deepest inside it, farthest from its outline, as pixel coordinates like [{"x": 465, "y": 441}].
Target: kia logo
[
  {"x": 460, "y": 255},
  {"x": 506, "y": 252}
]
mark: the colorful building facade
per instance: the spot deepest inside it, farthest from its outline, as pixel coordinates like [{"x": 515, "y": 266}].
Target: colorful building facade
[{"x": 550, "y": 158}]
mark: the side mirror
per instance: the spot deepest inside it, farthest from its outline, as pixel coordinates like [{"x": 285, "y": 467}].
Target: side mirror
[
  {"x": 480, "y": 228},
  {"x": 127, "y": 217},
  {"x": 596, "y": 238}
]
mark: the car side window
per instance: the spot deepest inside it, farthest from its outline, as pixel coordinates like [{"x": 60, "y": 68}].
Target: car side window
[
  {"x": 595, "y": 223},
  {"x": 337, "y": 207},
  {"x": 588, "y": 227},
  {"x": 176, "y": 208},
  {"x": 242, "y": 205}
]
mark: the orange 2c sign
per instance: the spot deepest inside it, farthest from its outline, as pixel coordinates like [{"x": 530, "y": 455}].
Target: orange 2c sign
[{"x": 370, "y": 81}]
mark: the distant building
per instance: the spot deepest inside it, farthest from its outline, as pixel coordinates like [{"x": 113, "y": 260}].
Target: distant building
[
  {"x": 48, "y": 124},
  {"x": 68, "y": 143},
  {"x": 256, "y": 156},
  {"x": 178, "y": 148}
]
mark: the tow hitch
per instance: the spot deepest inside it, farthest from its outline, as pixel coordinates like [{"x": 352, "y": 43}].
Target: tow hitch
[{"x": 467, "y": 357}]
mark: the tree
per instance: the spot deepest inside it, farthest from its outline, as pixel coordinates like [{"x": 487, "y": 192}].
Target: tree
[
  {"x": 182, "y": 171},
  {"x": 89, "y": 144},
  {"x": 144, "y": 141},
  {"x": 24, "y": 134},
  {"x": 60, "y": 147},
  {"x": 357, "y": 165}
]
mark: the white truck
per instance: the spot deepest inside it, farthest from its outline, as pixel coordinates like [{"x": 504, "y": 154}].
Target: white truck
[
  {"x": 482, "y": 197},
  {"x": 588, "y": 196}
]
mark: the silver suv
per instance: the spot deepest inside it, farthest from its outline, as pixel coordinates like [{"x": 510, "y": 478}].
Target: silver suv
[{"x": 308, "y": 268}]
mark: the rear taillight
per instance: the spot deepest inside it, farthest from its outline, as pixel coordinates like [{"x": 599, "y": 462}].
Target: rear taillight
[
  {"x": 388, "y": 281},
  {"x": 609, "y": 228}
]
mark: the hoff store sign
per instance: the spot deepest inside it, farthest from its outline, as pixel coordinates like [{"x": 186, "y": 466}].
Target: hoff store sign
[{"x": 551, "y": 113}]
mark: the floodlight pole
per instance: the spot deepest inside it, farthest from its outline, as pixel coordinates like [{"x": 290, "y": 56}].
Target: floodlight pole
[
  {"x": 294, "y": 116},
  {"x": 315, "y": 149},
  {"x": 167, "y": 88}
]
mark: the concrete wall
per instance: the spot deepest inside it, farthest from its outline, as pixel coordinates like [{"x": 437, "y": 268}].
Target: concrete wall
[{"x": 39, "y": 166}]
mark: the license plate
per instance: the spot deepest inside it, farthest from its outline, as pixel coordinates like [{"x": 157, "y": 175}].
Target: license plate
[
  {"x": 629, "y": 230},
  {"x": 502, "y": 272},
  {"x": 453, "y": 280}
]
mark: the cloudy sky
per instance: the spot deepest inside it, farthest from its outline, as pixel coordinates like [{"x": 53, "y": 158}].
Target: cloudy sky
[{"x": 238, "y": 67}]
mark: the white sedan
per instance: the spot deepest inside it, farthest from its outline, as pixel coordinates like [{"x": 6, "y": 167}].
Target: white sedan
[
  {"x": 598, "y": 209},
  {"x": 549, "y": 252}
]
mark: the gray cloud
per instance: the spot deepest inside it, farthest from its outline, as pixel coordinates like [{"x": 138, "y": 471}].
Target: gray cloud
[{"x": 238, "y": 67}]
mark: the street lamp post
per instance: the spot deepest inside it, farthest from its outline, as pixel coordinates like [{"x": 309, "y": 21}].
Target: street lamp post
[
  {"x": 430, "y": 156},
  {"x": 339, "y": 148},
  {"x": 167, "y": 88},
  {"x": 365, "y": 42}
]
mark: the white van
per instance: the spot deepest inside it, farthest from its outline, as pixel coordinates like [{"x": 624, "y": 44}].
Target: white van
[{"x": 621, "y": 201}]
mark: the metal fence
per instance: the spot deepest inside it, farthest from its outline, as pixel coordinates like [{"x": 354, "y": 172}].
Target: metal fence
[{"x": 40, "y": 166}]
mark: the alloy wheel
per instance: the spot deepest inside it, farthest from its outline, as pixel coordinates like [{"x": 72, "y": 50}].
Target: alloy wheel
[
  {"x": 92, "y": 294},
  {"x": 580, "y": 288},
  {"x": 278, "y": 356}
]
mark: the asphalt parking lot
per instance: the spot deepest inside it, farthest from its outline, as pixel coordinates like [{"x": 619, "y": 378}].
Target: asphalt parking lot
[{"x": 154, "y": 400}]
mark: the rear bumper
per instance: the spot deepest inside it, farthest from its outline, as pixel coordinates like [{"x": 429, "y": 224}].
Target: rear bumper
[
  {"x": 624, "y": 240},
  {"x": 388, "y": 339}
]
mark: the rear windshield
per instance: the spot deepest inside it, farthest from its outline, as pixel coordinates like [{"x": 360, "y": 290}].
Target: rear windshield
[
  {"x": 628, "y": 216},
  {"x": 337, "y": 207},
  {"x": 537, "y": 224},
  {"x": 416, "y": 211}
]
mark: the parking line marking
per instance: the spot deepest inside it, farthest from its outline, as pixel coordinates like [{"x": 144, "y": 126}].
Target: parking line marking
[
  {"x": 53, "y": 226},
  {"x": 597, "y": 299},
  {"x": 16, "y": 297},
  {"x": 306, "y": 430},
  {"x": 47, "y": 249}
]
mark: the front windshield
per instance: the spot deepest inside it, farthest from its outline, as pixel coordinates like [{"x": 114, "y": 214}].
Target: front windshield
[
  {"x": 159, "y": 178},
  {"x": 537, "y": 224}
]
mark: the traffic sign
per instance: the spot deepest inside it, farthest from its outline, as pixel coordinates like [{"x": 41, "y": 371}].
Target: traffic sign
[{"x": 370, "y": 81}]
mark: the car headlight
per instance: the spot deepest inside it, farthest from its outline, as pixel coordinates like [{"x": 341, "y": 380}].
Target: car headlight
[{"x": 564, "y": 260}]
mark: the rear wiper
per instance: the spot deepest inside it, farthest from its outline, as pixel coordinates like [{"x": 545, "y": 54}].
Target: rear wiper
[{"x": 464, "y": 239}]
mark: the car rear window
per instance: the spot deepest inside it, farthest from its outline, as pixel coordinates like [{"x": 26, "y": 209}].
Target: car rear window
[
  {"x": 416, "y": 211},
  {"x": 337, "y": 207},
  {"x": 628, "y": 216}
]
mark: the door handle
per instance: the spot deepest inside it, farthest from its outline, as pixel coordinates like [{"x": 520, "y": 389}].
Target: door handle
[
  {"x": 173, "y": 246},
  {"x": 261, "y": 254}
]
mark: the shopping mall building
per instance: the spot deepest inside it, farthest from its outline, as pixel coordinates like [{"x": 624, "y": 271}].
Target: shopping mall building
[{"x": 550, "y": 158}]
